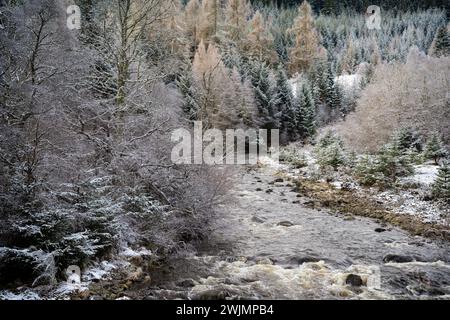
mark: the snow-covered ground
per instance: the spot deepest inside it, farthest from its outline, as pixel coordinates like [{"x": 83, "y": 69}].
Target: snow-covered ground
[
  {"x": 405, "y": 201},
  {"x": 99, "y": 271},
  {"x": 423, "y": 174}
]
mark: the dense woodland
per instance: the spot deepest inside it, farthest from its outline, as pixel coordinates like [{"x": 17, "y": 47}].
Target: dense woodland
[{"x": 86, "y": 115}]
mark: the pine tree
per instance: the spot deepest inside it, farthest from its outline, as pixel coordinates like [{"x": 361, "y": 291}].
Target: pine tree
[
  {"x": 305, "y": 112},
  {"x": 441, "y": 187},
  {"x": 285, "y": 103},
  {"x": 441, "y": 43},
  {"x": 435, "y": 149},
  {"x": 306, "y": 40}
]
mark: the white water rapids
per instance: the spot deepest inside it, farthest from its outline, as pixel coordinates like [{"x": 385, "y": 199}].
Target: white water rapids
[{"x": 267, "y": 245}]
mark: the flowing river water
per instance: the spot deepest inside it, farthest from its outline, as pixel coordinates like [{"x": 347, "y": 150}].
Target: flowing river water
[{"x": 267, "y": 245}]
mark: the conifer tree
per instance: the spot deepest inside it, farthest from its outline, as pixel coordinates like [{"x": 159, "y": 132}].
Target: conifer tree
[
  {"x": 236, "y": 13},
  {"x": 394, "y": 162},
  {"x": 306, "y": 112},
  {"x": 435, "y": 149},
  {"x": 285, "y": 103},
  {"x": 266, "y": 100},
  {"x": 408, "y": 138},
  {"x": 441, "y": 43},
  {"x": 191, "y": 28},
  {"x": 306, "y": 44},
  {"x": 441, "y": 187},
  {"x": 260, "y": 44},
  {"x": 330, "y": 7},
  {"x": 209, "y": 20},
  {"x": 186, "y": 86},
  {"x": 349, "y": 60}
]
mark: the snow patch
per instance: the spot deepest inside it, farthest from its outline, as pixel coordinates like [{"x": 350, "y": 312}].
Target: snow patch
[
  {"x": 424, "y": 174},
  {"x": 25, "y": 295},
  {"x": 349, "y": 82}
]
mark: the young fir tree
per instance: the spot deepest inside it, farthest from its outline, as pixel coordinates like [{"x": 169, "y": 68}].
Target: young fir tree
[
  {"x": 285, "y": 103},
  {"x": 330, "y": 151},
  {"x": 306, "y": 43},
  {"x": 409, "y": 138},
  {"x": 394, "y": 162},
  {"x": 435, "y": 149},
  {"x": 306, "y": 112},
  {"x": 441, "y": 187},
  {"x": 441, "y": 43}
]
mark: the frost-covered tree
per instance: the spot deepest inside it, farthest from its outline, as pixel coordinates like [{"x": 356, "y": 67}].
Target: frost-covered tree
[
  {"x": 435, "y": 149},
  {"x": 259, "y": 43},
  {"x": 185, "y": 83},
  {"x": 349, "y": 59},
  {"x": 191, "y": 28},
  {"x": 409, "y": 138},
  {"x": 394, "y": 162},
  {"x": 224, "y": 99},
  {"x": 266, "y": 99},
  {"x": 236, "y": 14},
  {"x": 306, "y": 112},
  {"x": 306, "y": 44},
  {"x": 330, "y": 151},
  {"x": 441, "y": 187},
  {"x": 441, "y": 43},
  {"x": 411, "y": 94},
  {"x": 285, "y": 103},
  {"x": 209, "y": 20}
]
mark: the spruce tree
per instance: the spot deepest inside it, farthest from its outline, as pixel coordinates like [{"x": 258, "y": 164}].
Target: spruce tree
[
  {"x": 185, "y": 84},
  {"x": 264, "y": 95},
  {"x": 306, "y": 112},
  {"x": 441, "y": 43},
  {"x": 285, "y": 103},
  {"x": 394, "y": 162},
  {"x": 435, "y": 149},
  {"x": 409, "y": 138},
  {"x": 441, "y": 187}
]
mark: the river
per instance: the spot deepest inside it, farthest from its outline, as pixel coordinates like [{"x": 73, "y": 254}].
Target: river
[{"x": 265, "y": 244}]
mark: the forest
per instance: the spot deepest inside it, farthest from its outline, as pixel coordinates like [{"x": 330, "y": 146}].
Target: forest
[{"x": 86, "y": 119}]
